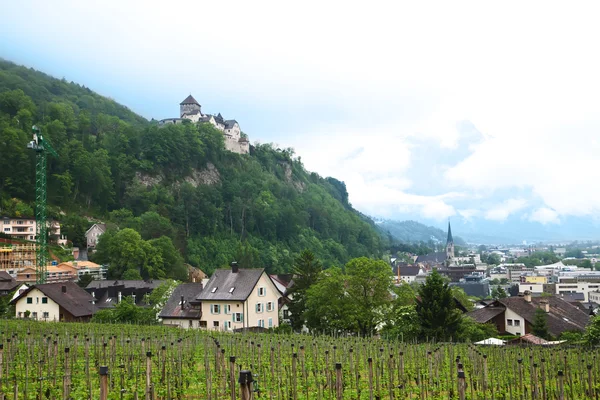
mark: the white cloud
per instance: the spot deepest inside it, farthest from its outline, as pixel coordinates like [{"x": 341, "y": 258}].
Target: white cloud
[
  {"x": 502, "y": 211},
  {"x": 383, "y": 76},
  {"x": 545, "y": 216}
]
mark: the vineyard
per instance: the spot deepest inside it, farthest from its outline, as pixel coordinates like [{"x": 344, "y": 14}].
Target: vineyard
[{"x": 91, "y": 361}]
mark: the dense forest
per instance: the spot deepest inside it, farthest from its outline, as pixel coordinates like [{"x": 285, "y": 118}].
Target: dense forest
[{"x": 172, "y": 193}]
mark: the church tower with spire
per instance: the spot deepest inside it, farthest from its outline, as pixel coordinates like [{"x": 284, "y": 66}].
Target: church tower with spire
[{"x": 449, "y": 244}]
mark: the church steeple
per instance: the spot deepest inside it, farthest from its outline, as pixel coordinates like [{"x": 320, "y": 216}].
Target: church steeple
[{"x": 449, "y": 244}]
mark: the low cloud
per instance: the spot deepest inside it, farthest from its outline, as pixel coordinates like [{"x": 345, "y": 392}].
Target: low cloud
[{"x": 544, "y": 215}]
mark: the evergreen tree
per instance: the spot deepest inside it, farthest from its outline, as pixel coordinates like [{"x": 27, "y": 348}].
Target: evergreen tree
[
  {"x": 306, "y": 271},
  {"x": 540, "y": 324},
  {"x": 436, "y": 308}
]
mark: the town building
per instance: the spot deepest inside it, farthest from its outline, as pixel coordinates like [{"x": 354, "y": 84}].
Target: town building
[
  {"x": 108, "y": 293},
  {"x": 182, "y": 309},
  {"x": 191, "y": 110},
  {"x": 239, "y": 298},
  {"x": 515, "y": 315},
  {"x": 93, "y": 234},
  {"x": 406, "y": 273},
  {"x": 17, "y": 255},
  {"x": 64, "y": 301},
  {"x": 442, "y": 258},
  {"x": 8, "y": 284},
  {"x": 594, "y": 297}
]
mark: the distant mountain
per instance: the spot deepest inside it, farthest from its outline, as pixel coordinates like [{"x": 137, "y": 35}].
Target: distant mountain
[{"x": 414, "y": 232}]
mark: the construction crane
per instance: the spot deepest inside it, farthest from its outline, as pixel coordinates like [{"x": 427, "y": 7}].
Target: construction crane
[{"x": 42, "y": 147}]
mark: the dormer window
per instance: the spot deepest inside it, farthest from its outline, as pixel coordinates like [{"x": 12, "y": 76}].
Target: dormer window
[
  {"x": 231, "y": 290},
  {"x": 214, "y": 290}
]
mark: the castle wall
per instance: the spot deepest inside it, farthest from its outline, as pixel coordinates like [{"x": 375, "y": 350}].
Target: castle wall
[
  {"x": 235, "y": 146},
  {"x": 188, "y": 109}
]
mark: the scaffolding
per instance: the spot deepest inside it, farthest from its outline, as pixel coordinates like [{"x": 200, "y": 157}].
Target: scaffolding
[{"x": 17, "y": 256}]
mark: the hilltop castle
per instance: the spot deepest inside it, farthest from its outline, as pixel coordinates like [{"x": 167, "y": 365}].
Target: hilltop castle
[{"x": 190, "y": 109}]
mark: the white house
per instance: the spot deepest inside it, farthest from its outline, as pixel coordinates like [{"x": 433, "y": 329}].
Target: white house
[
  {"x": 239, "y": 298},
  {"x": 63, "y": 301},
  {"x": 93, "y": 234}
]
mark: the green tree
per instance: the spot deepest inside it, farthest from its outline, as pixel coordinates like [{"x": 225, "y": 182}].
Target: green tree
[
  {"x": 85, "y": 280},
  {"x": 592, "y": 332},
  {"x": 153, "y": 226},
  {"x": 306, "y": 272},
  {"x": 539, "y": 327},
  {"x": 368, "y": 286},
  {"x": 402, "y": 323},
  {"x": 499, "y": 293},
  {"x": 438, "y": 316},
  {"x": 471, "y": 331},
  {"x": 327, "y": 310}
]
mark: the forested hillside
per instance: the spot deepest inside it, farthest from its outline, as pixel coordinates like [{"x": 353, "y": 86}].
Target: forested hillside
[
  {"x": 416, "y": 232},
  {"x": 183, "y": 196}
]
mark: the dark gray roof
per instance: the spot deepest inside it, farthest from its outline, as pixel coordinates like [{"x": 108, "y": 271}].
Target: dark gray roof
[
  {"x": 173, "y": 308},
  {"x": 486, "y": 314},
  {"x": 222, "y": 280},
  {"x": 432, "y": 258},
  {"x": 193, "y": 112},
  {"x": 75, "y": 300},
  {"x": 189, "y": 100},
  {"x": 229, "y": 123},
  {"x": 152, "y": 284},
  {"x": 562, "y": 316},
  {"x": 449, "y": 239},
  {"x": 219, "y": 118}
]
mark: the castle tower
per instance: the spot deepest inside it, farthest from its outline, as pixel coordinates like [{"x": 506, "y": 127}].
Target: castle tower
[
  {"x": 449, "y": 244},
  {"x": 190, "y": 107}
]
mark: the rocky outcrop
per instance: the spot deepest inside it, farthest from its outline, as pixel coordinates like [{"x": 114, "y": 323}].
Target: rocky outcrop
[{"x": 207, "y": 176}]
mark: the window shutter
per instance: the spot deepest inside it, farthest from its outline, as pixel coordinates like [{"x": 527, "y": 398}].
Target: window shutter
[
  {"x": 257, "y": 306},
  {"x": 233, "y": 317},
  {"x": 241, "y": 317},
  {"x": 219, "y": 309}
]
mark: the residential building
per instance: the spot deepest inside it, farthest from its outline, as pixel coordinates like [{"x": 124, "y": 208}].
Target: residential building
[
  {"x": 594, "y": 297},
  {"x": 284, "y": 282},
  {"x": 97, "y": 271},
  {"x": 407, "y": 273},
  {"x": 182, "y": 309},
  {"x": 515, "y": 315},
  {"x": 55, "y": 302},
  {"x": 93, "y": 234},
  {"x": 239, "y": 298},
  {"x": 474, "y": 285},
  {"x": 108, "y": 293},
  {"x": 22, "y": 287},
  {"x": 19, "y": 228},
  {"x": 562, "y": 288}
]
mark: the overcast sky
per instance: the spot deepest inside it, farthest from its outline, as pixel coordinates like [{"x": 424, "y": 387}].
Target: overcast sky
[{"x": 429, "y": 110}]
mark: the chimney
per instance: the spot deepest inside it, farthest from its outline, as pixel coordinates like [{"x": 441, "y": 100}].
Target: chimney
[
  {"x": 64, "y": 289},
  {"x": 545, "y": 305},
  {"x": 527, "y": 296},
  {"x": 182, "y": 302},
  {"x": 234, "y": 267}
]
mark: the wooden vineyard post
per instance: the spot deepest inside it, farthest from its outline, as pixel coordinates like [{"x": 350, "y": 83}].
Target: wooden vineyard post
[
  {"x": 543, "y": 378},
  {"x": 294, "y": 377},
  {"x": 391, "y": 375},
  {"x": 461, "y": 382},
  {"x": 485, "y": 377},
  {"x": 148, "y": 375},
  {"x": 534, "y": 389},
  {"x": 232, "y": 376},
  {"x": 338, "y": 381},
  {"x": 67, "y": 376},
  {"x": 520, "y": 362},
  {"x": 590, "y": 381},
  {"x": 561, "y": 389},
  {"x": 245, "y": 381},
  {"x": 103, "y": 383},
  {"x": 370, "y": 364},
  {"x": 1, "y": 364}
]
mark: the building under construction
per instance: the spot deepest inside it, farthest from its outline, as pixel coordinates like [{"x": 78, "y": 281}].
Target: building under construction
[{"x": 16, "y": 256}]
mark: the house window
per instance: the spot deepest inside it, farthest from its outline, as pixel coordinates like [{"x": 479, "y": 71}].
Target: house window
[
  {"x": 259, "y": 307},
  {"x": 270, "y": 322},
  {"x": 20, "y": 314},
  {"x": 270, "y": 306},
  {"x": 517, "y": 322},
  {"x": 216, "y": 309},
  {"x": 261, "y": 323},
  {"x": 238, "y": 317},
  {"x": 262, "y": 291},
  {"x": 29, "y": 299},
  {"x": 6, "y": 229},
  {"x": 46, "y": 315},
  {"x": 286, "y": 314},
  {"x": 216, "y": 324},
  {"x": 509, "y": 322},
  {"x": 34, "y": 315},
  {"x": 191, "y": 323},
  {"x": 227, "y": 324},
  {"x": 227, "y": 308},
  {"x": 202, "y": 324}
]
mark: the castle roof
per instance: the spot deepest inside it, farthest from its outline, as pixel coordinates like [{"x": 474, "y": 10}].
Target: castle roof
[
  {"x": 230, "y": 123},
  {"x": 189, "y": 100}
]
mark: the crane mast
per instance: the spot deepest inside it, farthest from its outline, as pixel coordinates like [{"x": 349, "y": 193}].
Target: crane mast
[{"x": 41, "y": 147}]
